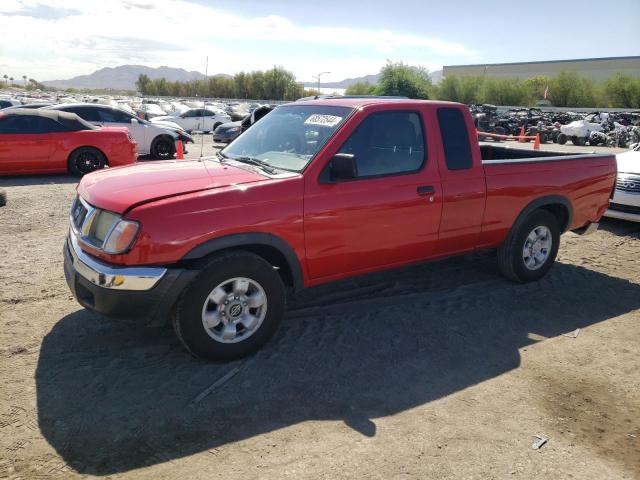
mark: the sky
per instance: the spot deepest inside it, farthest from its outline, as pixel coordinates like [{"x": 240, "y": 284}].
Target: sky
[{"x": 59, "y": 39}]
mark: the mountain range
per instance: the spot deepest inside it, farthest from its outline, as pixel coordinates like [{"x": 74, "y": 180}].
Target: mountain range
[{"x": 124, "y": 77}]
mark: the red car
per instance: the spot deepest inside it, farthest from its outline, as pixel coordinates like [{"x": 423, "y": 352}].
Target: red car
[
  {"x": 315, "y": 192},
  {"x": 49, "y": 141}
]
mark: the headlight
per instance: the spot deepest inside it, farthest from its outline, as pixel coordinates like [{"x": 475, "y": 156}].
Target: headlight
[
  {"x": 233, "y": 130},
  {"x": 102, "y": 229}
]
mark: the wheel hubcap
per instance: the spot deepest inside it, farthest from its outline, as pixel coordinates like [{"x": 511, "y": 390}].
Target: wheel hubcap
[
  {"x": 87, "y": 162},
  {"x": 234, "y": 310},
  {"x": 537, "y": 248}
]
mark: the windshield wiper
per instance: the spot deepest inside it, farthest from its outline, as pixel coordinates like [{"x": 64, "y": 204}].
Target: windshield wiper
[
  {"x": 257, "y": 162},
  {"x": 221, "y": 156}
]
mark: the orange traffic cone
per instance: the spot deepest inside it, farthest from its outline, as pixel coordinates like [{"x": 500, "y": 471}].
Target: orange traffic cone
[
  {"x": 521, "y": 140},
  {"x": 536, "y": 145},
  {"x": 179, "y": 150}
]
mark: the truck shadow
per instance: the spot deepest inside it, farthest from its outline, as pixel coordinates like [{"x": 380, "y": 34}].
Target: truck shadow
[{"x": 113, "y": 397}]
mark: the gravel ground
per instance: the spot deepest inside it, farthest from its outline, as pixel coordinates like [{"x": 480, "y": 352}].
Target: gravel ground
[{"x": 444, "y": 370}]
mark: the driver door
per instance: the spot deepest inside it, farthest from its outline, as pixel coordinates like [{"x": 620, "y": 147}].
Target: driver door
[{"x": 389, "y": 214}]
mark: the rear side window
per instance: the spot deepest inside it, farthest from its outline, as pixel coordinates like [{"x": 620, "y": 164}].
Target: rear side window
[
  {"x": 455, "y": 139},
  {"x": 89, "y": 114}
]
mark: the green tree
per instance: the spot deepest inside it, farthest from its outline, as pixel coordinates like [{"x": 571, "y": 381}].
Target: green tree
[
  {"x": 503, "y": 91},
  {"x": 142, "y": 84},
  {"x": 568, "y": 89},
  {"x": 361, "y": 88},
  {"x": 397, "y": 78},
  {"x": 459, "y": 89},
  {"x": 623, "y": 91}
]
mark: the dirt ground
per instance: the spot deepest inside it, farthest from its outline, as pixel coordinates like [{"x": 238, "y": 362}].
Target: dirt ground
[{"x": 444, "y": 370}]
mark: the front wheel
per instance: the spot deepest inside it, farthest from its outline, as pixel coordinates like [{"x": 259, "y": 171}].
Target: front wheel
[
  {"x": 163, "y": 149},
  {"x": 86, "y": 160},
  {"x": 231, "y": 309},
  {"x": 530, "y": 250}
]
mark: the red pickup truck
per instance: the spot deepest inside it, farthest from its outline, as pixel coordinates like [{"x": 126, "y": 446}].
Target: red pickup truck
[{"x": 317, "y": 191}]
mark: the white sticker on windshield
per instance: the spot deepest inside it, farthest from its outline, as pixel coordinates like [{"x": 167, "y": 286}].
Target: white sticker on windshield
[{"x": 324, "y": 120}]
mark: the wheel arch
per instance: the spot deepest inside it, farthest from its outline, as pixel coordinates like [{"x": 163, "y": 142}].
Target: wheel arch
[
  {"x": 268, "y": 246},
  {"x": 558, "y": 205}
]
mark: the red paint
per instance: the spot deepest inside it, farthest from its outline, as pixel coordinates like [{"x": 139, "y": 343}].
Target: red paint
[
  {"x": 49, "y": 152},
  {"x": 345, "y": 228}
]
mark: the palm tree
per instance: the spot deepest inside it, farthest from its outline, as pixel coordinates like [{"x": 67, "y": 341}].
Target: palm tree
[
  {"x": 5, "y": 79},
  {"x": 24, "y": 78},
  {"x": 11, "y": 80}
]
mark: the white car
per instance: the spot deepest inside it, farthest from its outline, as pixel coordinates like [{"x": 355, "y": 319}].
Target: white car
[
  {"x": 155, "y": 139},
  {"x": 148, "y": 111},
  {"x": 625, "y": 203},
  {"x": 196, "y": 119}
]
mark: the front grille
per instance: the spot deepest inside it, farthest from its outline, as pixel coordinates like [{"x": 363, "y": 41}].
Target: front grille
[
  {"x": 78, "y": 214},
  {"x": 624, "y": 208},
  {"x": 628, "y": 183}
]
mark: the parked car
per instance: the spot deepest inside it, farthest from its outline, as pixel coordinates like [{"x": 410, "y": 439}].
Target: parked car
[
  {"x": 318, "y": 191},
  {"x": 625, "y": 203},
  {"x": 155, "y": 139},
  {"x": 196, "y": 119},
  {"x": 147, "y": 111},
  {"x": 8, "y": 102},
  {"x": 27, "y": 106},
  {"x": 227, "y": 132},
  {"x": 49, "y": 141}
]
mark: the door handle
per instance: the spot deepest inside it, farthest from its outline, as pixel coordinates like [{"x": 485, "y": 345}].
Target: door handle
[{"x": 426, "y": 190}]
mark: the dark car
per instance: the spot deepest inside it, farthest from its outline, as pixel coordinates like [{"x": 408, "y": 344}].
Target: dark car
[{"x": 228, "y": 132}]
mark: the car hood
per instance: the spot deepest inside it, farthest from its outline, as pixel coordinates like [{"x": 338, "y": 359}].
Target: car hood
[
  {"x": 628, "y": 162},
  {"x": 122, "y": 188}
]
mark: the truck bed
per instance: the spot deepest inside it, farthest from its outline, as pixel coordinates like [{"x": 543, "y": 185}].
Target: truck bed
[
  {"x": 493, "y": 152},
  {"x": 515, "y": 178}
]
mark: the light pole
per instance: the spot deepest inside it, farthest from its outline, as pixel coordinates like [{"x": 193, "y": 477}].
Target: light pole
[{"x": 320, "y": 75}]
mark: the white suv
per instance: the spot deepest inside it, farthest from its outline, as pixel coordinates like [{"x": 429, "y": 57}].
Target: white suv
[
  {"x": 625, "y": 203},
  {"x": 154, "y": 139}
]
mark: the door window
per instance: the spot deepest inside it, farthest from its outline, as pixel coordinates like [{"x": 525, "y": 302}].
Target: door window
[{"x": 387, "y": 143}]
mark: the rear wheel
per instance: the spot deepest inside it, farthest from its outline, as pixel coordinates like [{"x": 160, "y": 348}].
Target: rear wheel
[
  {"x": 231, "y": 309},
  {"x": 579, "y": 141},
  {"x": 530, "y": 250},
  {"x": 86, "y": 160},
  {"x": 562, "y": 139},
  {"x": 163, "y": 148}
]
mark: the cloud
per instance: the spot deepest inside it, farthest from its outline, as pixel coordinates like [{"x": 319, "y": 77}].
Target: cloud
[{"x": 79, "y": 36}]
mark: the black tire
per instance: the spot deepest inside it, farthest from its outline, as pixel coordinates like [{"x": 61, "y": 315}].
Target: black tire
[
  {"x": 562, "y": 139},
  {"x": 510, "y": 254},
  {"x": 579, "y": 141},
  {"x": 187, "y": 315},
  {"x": 3, "y": 198},
  {"x": 499, "y": 131},
  {"x": 86, "y": 160},
  {"x": 163, "y": 148}
]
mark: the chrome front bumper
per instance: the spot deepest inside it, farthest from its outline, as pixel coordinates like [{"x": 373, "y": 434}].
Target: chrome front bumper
[{"x": 107, "y": 276}]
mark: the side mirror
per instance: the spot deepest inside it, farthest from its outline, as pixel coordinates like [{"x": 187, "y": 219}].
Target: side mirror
[
  {"x": 134, "y": 121},
  {"x": 343, "y": 166}
]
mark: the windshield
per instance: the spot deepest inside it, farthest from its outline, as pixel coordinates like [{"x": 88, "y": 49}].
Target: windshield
[{"x": 290, "y": 136}]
